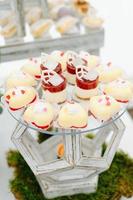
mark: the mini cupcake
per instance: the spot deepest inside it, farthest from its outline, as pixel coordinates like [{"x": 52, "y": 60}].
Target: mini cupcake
[
  {"x": 41, "y": 27},
  {"x": 67, "y": 25},
  {"x": 54, "y": 86},
  {"x": 72, "y": 115},
  {"x": 5, "y": 17},
  {"x": 10, "y": 30},
  {"x": 20, "y": 97},
  {"x": 40, "y": 114},
  {"x": 73, "y": 61},
  {"x": 50, "y": 63},
  {"x": 104, "y": 107},
  {"x": 93, "y": 22},
  {"x": 109, "y": 73},
  {"x": 20, "y": 79},
  {"x": 86, "y": 83},
  {"x": 32, "y": 67},
  {"x": 120, "y": 89}
]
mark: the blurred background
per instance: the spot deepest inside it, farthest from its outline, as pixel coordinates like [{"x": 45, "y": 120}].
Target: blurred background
[{"x": 117, "y": 48}]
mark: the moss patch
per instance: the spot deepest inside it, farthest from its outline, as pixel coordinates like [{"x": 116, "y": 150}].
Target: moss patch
[{"x": 114, "y": 183}]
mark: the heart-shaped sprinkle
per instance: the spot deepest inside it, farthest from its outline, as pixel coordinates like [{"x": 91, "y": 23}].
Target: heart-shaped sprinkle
[
  {"x": 45, "y": 109},
  {"x": 108, "y": 103},
  {"x": 100, "y": 100},
  {"x": 107, "y": 98}
]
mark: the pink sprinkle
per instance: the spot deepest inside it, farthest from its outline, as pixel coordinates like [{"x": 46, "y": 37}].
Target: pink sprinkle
[
  {"x": 108, "y": 103},
  {"x": 45, "y": 109},
  {"x": 35, "y": 61},
  {"x": 100, "y": 100},
  {"x": 107, "y": 98}
]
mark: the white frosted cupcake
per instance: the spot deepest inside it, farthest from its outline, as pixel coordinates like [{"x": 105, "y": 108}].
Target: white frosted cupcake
[
  {"x": 5, "y": 17},
  {"x": 104, "y": 107},
  {"x": 10, "y": 30},
  {"x": 40, "y": 114},
  {"x": 109, "y": 73},
  {"x": 86, "y": 83},
  {"x": 73, "y": 61},
  {"x": 93, "y": 22},
  {"x": 72, "y": 115},
  {"x": 54, "y": 86},
  {"x": 32, "y": 67},
  {"x": 66, "y": 25},
  {"x": 20, "y": 78},
  {"x": 20, "y": 97},
  {"x": 120, "y": 89},
  {"x": 41, "y": 27}
]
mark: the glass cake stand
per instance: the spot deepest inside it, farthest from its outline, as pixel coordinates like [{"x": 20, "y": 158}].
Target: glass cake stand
[{"x": 83, "y": 159}]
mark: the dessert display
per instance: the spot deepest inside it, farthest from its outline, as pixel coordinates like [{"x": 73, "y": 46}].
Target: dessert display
[
  {"x": 41, "y": 27},
  {"x": 103, "y": 107},
  {"x": 20, "y": 97},
  {"x": 20, "y": 78},
  {"x": 109, "y": 73},
  {"x": 33, "y": 15},
  {"x": 72, "y": 115},
  {"x": 73, "y": 61},
  {"x": 54, "y": 86},
  {"x": 32, "y": 67},
  {"x": 50, "y": 63},
  {"x": 39, "y": 114},
  {"x": 84, "y": 93},
  {"x": 121, "y": 90},
  {"x": 56, "y": 19},
  {"x": 86, "y": 82},
  {"x": 67, "y": 25}
]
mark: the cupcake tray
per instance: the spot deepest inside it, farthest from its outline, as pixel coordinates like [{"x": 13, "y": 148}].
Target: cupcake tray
[
  {"x": 93, "y": 123},
  {"x": 78, "y": 169}
]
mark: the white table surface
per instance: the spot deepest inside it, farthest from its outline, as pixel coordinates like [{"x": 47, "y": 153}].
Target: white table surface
[{"x": 118, "y": 48}]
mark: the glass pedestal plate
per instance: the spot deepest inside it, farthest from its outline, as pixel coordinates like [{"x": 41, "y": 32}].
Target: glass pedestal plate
[{"x": 83, "y": 160}]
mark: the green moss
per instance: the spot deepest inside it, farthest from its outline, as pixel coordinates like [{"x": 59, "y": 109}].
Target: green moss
[{"x": 114, "y": 183}]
